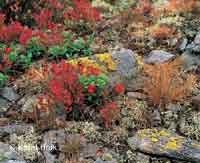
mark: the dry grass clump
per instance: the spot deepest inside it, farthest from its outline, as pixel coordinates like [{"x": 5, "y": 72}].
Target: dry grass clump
[{"x": 165, "y": 83}]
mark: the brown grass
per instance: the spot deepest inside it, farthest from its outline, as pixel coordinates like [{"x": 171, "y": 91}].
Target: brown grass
[{"x": 164, "y": 83}]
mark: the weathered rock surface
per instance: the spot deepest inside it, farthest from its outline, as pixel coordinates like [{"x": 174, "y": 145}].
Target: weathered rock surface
[
  {"x": 9, "y": 155},
  {"x": 18, "y": 129},
  {"x": 126, "y": 66},
  {"x": 166, "y": 144},
  {"x": 158, "y": 56},
  {"x": 9, "y": 94}
]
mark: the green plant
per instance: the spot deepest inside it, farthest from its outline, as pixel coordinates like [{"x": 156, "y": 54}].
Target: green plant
[
  {"x": 94, "y": 87},
  {"x": 3, "y": 79},
  {"x": 72, "y": 48}
]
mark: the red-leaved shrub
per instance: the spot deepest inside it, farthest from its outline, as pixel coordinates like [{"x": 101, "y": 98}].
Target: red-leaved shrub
[
  {"x": 64, "y": 86},
  {"x": 82, "y": 10}
]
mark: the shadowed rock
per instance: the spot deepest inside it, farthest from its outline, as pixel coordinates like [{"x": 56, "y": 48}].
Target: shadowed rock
[{"x": 166, "y": 144}]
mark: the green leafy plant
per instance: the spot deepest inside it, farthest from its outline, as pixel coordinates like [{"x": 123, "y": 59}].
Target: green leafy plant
[
  {"x": 94, "y": 87},
  {"x": 3, "y": 79},
  {"x": 72, "y": 48}
]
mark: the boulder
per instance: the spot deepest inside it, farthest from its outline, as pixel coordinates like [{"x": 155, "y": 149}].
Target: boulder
[
  {"x": 158, "y": 56},
  {"x": 164, "y": 143}
]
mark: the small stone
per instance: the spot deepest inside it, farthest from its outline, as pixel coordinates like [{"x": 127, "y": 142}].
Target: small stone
[
  {"x": 136, "y": 95},
  {"x": 158, "y": 56},
  {"x": 4, "y": 121},
  {"x": 9, "y": 94},
  {"x": 183, "y": 44},
  {"x": 4, "y": 105},
  {"x": 197, "y": 38},
  {"x": 196, "y": 101},
  {"x": 107, "y": 157}
]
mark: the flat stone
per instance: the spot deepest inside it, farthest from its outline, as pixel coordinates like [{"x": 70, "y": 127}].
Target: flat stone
[
  {"x": 9, "y": 94},
  {"x": 18, "y": 129},
  {"x": 136, "y": 95},
  {"x": 165, "y": 144},
  {"x": 158, "y": 56},
  {"x": 9, "y": 155}
]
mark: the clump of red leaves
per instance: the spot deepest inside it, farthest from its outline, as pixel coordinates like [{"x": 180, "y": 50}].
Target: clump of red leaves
[
  {"x": 110, "y": 113},
  {"x": 10, "y": 32},
  {"x": 43, "y": 18},
  {"x": 82, "y": 10},
  {"x": 64, "y": 86}
]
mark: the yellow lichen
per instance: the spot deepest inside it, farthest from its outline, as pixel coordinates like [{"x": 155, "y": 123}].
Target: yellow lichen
[
  {"x": 154, "y": 139},
  {"x": 107, "y": 59},
  {"x": 174, "y": 143},
  {"x": 87, "y": 62}
]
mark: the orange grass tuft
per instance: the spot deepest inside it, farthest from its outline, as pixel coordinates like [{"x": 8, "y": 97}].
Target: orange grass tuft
[
  {"x": 164, "y": 82},
  {"x": 181, "y": 5}
]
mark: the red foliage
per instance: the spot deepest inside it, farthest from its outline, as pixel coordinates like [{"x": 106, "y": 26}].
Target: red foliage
[
  {"x": 25, "y": 36},
  {"x": 43, "y": 18},
  {"x": 109, "y": 112},
  {"x": 11, "y": 31},
  {"x": 64, "y": 86},
  {"x": 119, "y": 88},
  {"x": 82, "y": 10},
  {"x": 91, "y": 88},
  {"x": 2, "y": 18},
  {"x": 7, "y": 50}
]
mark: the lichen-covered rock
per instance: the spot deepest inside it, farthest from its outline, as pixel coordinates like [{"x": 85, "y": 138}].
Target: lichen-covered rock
[
  {"x": 9, "y": 155},
  {"x": 158, "y": 56},
  {"x": 166, "y": 144}
]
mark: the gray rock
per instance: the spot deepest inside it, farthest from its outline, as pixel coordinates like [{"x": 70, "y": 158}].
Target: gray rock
[
  {"x": 9, "y": 94},
  {"x": 18, "y": 129},
  {"x": 9, "y": 155},
  {"x": 165, "y": 144},
  {"x": 126, "y": 62},
  {"x": 197, "y": 38},
  {"x": 127, "y": 69},
  {"x": 158, "y": 56},
  {"x": 183, "y": 44},
  {"x": 190, "y": 60},
  {"x": 4, "y": 105}
]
